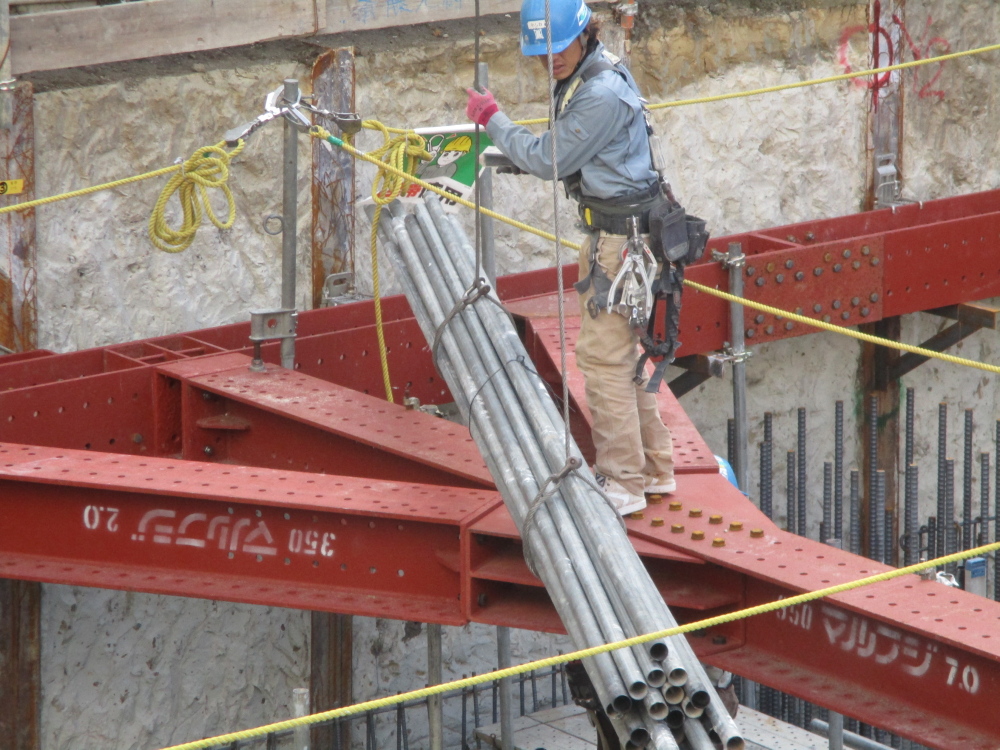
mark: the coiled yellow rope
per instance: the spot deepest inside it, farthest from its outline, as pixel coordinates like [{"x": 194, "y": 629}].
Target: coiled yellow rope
[
  {"x": 397, "y": 159},
  {"x": 760, "y": 609},
  {"x": 206, "y": 168}
]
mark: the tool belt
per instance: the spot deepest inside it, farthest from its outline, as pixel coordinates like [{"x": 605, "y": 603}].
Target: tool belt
[{"x": 612, "y": 215}]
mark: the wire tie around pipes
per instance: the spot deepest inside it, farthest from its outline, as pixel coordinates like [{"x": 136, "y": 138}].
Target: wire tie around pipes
[
  {"x": 547, "y": 490},
  {"x": 480, "y": 288}
]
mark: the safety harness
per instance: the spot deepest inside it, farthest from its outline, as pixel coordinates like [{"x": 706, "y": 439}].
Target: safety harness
[{"x": 676, "y": 239}]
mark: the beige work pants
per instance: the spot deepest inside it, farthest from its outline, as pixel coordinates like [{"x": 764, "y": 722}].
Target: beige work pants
[{"x": 631, "y": 439}]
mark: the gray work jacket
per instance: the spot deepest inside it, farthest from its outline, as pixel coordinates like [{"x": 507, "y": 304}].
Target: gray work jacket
[{"x": 600, "y": 131}]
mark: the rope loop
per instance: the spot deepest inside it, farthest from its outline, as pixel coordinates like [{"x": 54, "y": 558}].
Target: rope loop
[
  {"x": 479, "y": 288},
  {"x": 207, "y": 168},
  {"x": 547, "y": 490}
]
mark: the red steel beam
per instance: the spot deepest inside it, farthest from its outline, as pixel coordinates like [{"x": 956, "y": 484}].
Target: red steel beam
[{"x": 911, "y": 656}]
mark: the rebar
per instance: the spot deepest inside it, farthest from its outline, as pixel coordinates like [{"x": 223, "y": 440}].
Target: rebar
[
  {"x": 872, "y": 477},
  {"x": 838, "y": 471},
  {"x": 911, "y": 531},
  {"x": 939, "y": 541},
  {"x": 950, "y": 535},
  {"x": 984, "y": 499},
  {"x": 909, "y": 427},
  {"x": 766, "y": 480},
  {"x": 967, "y": 484},
  {"x": 855, "y": 500},
  {"x": 826, "y": 526},
  {"x": 800, "y": 517},
  {"x": 790, "y": 491}
]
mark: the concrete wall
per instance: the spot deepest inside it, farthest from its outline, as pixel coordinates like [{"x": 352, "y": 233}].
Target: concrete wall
[{"x": 148, "y": 671}]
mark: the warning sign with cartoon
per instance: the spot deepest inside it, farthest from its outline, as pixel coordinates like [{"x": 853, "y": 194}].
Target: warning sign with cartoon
[{"x": 454, "y": 163}]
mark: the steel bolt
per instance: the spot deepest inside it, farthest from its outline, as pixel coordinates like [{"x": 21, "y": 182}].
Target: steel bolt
[
  {"x": 209, "y": 450},
  {"x": 798, "y": 310},
  {"x": 695, "y": 513},
  {"x": 716, "y": 518},
  {"x": 789, "y": 264},
  {"x": 751, "y": 270},
  {"x": 760, "y": 281},
  {"x": 846, "y": 253},
  {"x": 637, "y": 515},
  {"x": 750, "y": 333},
  {"x": 769, "y": 267},
  {"x": 810, "y": 236},
  {"x": 875, "y": 261},
  {"x": 873, "y": 297},
  {"x": 675, "y": 506},
  {"x": 736, "y": 526},
  {"x": 864, "y": 312},
  {"x": 654, "y": 499},
  {"x": 779, "y": 278},
  {"x": 835, "y": 304},
  {"x": 845, "y": 315},
  {"x": 137, "y": 438},
  {"x": 817, "y": 307},
  {"x": 865, "y": 250},
  {"x": 799, "y": 275},
  {"x": 826, "y": 318},
  {"x": 789, "y": 325},
  {"x": 677, "y": 528},
  {"x": 855, "y": 301},
  {"x": 769, "y": 330},
  {"x": 758, "y": 319},
  {"x": 718, "y": 542},
  {"x": 837, "y": 268},
  {"x": 756, "y": 533},
  {"x": 791, "y": 238},
  {"x": 697, "y": 535},
  {"x": 827, "y": 257},
  {"x": 482, "y": 600},
  {"x": 856, "y": 264},
  {"x": 656, "y": 522},
  {"x": 817, "y": 271}
]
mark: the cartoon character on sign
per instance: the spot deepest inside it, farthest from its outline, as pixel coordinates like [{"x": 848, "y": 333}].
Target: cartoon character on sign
[{"x": 446, "y": 164}]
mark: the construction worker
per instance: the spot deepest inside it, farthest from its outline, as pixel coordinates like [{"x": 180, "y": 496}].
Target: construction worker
[{"x": 603, "y": 157}]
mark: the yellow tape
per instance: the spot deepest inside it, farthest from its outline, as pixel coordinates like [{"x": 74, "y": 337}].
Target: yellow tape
[
  {"x": 11, "y": 187},
  {"x": 358, "y": 708}
]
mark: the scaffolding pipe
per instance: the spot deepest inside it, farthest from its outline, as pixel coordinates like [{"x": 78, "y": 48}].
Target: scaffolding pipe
[{"x": 289, "y": 219}]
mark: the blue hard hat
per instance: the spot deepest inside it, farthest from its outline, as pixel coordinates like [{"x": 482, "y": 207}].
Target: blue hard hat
[{"x": 569, "y": 19}]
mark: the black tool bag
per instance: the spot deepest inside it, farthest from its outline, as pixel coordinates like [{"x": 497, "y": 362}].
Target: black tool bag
[{"x": 674, "y": 235}]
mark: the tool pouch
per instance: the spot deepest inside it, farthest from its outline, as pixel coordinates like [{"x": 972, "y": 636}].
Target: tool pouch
[
  {"x": 697, "y": 238},
  {"x": 668, "y": 234}
]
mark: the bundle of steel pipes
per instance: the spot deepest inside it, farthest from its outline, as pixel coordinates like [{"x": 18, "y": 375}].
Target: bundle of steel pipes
[{"x": 657, "y": 693}]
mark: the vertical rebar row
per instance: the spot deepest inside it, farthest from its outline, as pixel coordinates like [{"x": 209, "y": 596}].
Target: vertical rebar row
[
  {"x": 967, "y": 484},
  {"x": 826, "y": 527},
  {"x": 939, "y": 544},
  {"x": 800, "y": 519},
  {"x": 790, "y": 491},
  {"x": 855, "y": 512},
  {"x": 911, "y": 530},
  {"x": 910, "y": 421},
  {"x": 838, "y": 472}
]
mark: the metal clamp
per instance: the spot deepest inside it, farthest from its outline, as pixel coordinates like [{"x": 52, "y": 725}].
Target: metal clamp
[
  {"x": 733, "y": 357},
  {"x": 632, "y": 287},
  {"x": 737, "y": 262},
  {"x": 275, "y": 106},
  {"x": 270, "y": 325}
]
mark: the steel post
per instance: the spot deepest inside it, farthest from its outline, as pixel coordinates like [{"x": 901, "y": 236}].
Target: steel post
[
  {"x": 289, "y": 219},
  {"x": 300, "y": 708},
  {"x": 486, "y": 235},
  {"x": 504, "y": 660},
  {"x": 435, "y": 717},
  {"x": 741, "y": 448}
]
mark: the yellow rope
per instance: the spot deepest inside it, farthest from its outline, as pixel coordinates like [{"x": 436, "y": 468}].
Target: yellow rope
[
  {"x": 841, "y": 330},
  {"x": 88, "y": 190},
  {"x": 581, "y": 654},
  {"x": 397, "y": 158},
  {"x": 207, "y": 167},
  {"x": 811, "y": 82}
]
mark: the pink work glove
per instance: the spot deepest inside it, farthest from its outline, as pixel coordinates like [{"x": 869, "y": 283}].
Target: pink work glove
[{"x": 481, "y": 107}]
